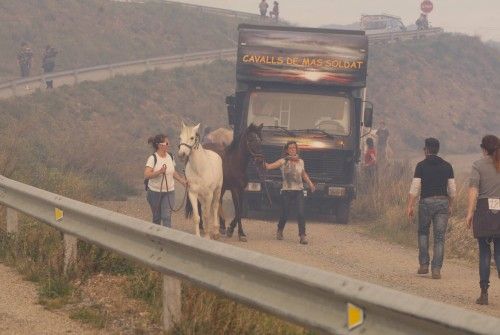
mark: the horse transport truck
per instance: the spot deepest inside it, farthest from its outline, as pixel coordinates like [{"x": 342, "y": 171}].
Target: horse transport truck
[{"x": 305, "y": 85}]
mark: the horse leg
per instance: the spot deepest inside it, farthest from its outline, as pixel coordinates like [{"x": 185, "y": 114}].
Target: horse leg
[
  {"x": 215, "y": 213},
  {"x": 202, "y": 229},
  {"x": 193, "y": 198},
  {"x": 241, "y": 234},
  {"x": 206, "y": 203},
  {"x": 222, "y": 221},
  {"x": 230, "y": 230}
]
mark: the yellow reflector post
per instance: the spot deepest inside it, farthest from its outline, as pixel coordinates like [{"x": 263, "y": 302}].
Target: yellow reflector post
[
  {"x": 58, "y": 214},
  {"x": 355, "y": 316}
]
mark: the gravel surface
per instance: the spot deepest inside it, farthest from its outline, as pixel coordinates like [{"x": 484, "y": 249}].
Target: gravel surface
[{"x": 20, "y": 313}]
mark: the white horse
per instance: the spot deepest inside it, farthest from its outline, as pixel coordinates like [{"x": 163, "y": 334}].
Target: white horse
[{"x": 204, "y": 175}]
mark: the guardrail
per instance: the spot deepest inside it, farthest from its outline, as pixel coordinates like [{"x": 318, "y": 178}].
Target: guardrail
[
  {"x": 310, "y": 297},
  {"x": 403, "y": 35},
  {"x": 28, "y": 85}
]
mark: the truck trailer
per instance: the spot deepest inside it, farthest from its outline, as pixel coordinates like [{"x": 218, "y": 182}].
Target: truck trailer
[{"x": 306, "y": 85}]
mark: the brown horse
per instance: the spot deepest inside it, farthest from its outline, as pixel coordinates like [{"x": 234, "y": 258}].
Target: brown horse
[{"x": 235, "y": 160}]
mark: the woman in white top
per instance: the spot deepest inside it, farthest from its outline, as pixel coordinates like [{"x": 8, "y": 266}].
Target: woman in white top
[
  {"x": 293, "y": 173},
  {"x": 160, "y": 174}
]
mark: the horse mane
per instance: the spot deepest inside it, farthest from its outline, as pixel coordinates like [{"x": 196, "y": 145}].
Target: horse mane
[{"x": 236, "y": 140}]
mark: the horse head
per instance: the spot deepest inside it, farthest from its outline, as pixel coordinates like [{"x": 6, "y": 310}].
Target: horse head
[
  {"x": 253, "y": 139},
  {"x": 189, "y": 139}
]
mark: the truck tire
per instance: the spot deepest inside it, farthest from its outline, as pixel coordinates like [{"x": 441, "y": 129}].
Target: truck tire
[{"x": 343, "y": 210}]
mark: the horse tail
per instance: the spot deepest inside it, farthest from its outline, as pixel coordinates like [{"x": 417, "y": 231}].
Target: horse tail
[{"x": 188, "y": 209}]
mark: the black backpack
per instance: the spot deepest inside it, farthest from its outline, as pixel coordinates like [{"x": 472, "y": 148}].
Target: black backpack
[{"x": 146, "y": 180}]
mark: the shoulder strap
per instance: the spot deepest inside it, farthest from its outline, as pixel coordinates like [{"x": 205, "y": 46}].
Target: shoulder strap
[{"x": 155, "y": 160}]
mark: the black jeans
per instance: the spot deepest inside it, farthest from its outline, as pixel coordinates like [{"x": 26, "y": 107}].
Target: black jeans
[
  {"x": 287, "y": 197},
  {"x": 485, "y": 258}
]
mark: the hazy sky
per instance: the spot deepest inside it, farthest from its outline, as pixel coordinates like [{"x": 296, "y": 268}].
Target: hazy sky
[{"x": 474, "y": 17}]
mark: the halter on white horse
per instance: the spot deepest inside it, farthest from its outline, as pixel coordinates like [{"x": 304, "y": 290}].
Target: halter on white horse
[{"x": 204, "y": 174}]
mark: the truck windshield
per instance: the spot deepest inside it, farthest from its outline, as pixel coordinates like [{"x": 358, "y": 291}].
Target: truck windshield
[{"x": 295, "y": 111}]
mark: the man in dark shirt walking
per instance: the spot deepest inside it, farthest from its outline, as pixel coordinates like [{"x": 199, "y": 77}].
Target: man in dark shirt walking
[{"x": 434, "y": 181}]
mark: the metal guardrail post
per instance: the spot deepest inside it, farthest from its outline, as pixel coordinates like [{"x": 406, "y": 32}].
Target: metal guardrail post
[
  {"x": 171, "y": 313},
  {"x": 12, "y": 221},
  {"x": 70, "y": 251}
]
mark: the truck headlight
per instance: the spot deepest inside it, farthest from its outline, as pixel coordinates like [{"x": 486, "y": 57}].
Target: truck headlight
[
  {"x": 253, "y": 187},
  {"x": 336, "y": 191}
]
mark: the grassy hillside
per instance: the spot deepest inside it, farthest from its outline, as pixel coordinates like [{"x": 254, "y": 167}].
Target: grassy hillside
[
  {"x": 99, "y": 131},
  {"x": 448, "y": 87},
  {"x": 94, "y": 32}
]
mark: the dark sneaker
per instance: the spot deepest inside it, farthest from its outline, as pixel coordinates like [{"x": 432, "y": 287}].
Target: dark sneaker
[
  {"x": 303, "y": 239},
  {"x": 436, "y": 274},
  {"x": 483, "y": 298},
  {"x": 279, "y": 235},
  {"x": 423, "y": 270}
]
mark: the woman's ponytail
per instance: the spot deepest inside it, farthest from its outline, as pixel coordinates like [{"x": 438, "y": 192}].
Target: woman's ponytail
[{"x": 491, "y": 144}]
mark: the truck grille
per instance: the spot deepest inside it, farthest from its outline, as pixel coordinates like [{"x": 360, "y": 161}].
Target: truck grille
[{"x": 327, "y": 165}]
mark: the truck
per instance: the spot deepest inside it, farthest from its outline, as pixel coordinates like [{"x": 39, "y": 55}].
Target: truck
[
  {"x": 381, "y": 23},
  {"x": 307, "y": 85}
]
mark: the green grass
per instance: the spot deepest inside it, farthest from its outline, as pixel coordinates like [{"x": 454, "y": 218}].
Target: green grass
[{"x": 94, "y": 315}]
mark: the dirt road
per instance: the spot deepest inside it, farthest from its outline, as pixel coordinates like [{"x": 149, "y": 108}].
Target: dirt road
[
  {"x": 20, "y": 314},
  {"x": 347, "y": 250}
]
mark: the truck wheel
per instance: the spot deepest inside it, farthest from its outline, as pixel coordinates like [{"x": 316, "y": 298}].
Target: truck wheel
[{"x": 343, "y": 209}]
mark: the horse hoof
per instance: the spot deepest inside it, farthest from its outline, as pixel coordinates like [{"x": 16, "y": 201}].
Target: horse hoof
[
  {"x": 215, "y": 236},
  {"x": 222, "y": 231},
  {"x": 229, "y": 233},
  {"x": 242, "y": 238}
]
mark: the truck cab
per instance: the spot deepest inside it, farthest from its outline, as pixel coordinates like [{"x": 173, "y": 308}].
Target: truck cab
[{"x": 305, "y": 85}]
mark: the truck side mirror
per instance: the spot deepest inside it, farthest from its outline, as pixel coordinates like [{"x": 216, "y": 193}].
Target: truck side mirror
[
  {"x": 231, "y": 109},
  {"x": 368, "y": 115}
]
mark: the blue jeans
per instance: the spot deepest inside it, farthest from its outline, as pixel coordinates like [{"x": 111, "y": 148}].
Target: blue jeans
[
  {"x": 159, "y": 203},
  {"x": 435, "y": 211},
  {"x": 485, "y": 259}
]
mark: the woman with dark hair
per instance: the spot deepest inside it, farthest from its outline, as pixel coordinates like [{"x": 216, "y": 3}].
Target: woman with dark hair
[
  {"x": 293, "y": 173},
  {"x": 484, "y": 210},
  {"x": 159, "y": 177}
]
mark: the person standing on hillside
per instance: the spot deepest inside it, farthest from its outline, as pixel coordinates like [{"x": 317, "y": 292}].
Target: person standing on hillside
[
  {"x": 48, "y": 63},
  {"x": 159, "y": 177},
  {"x": 383, "y": 137},
  {"x": 275, "y": 12},
  {"x": 24, "y": 58},
  {"x": 263, "y": 6},
  {"x": 434, "y": 181},
  {"x": 483, "y": 212}
]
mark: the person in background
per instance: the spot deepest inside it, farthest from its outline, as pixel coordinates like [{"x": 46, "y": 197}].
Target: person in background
[
  {"x": 48, "y": 63},
  {"x": 382, "y": 139},
  {"x": 160, "y": 174},
  {"x": 275, "y": 12},
  {"x": 483, "y": 212},
  {"x": 293, "y": 173},
  {"x": 24, "y": 59},
  {"x": 263, "y": 6},
  {"x": 434, "y": 182},
  {"x": 370, "y": 160}
]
